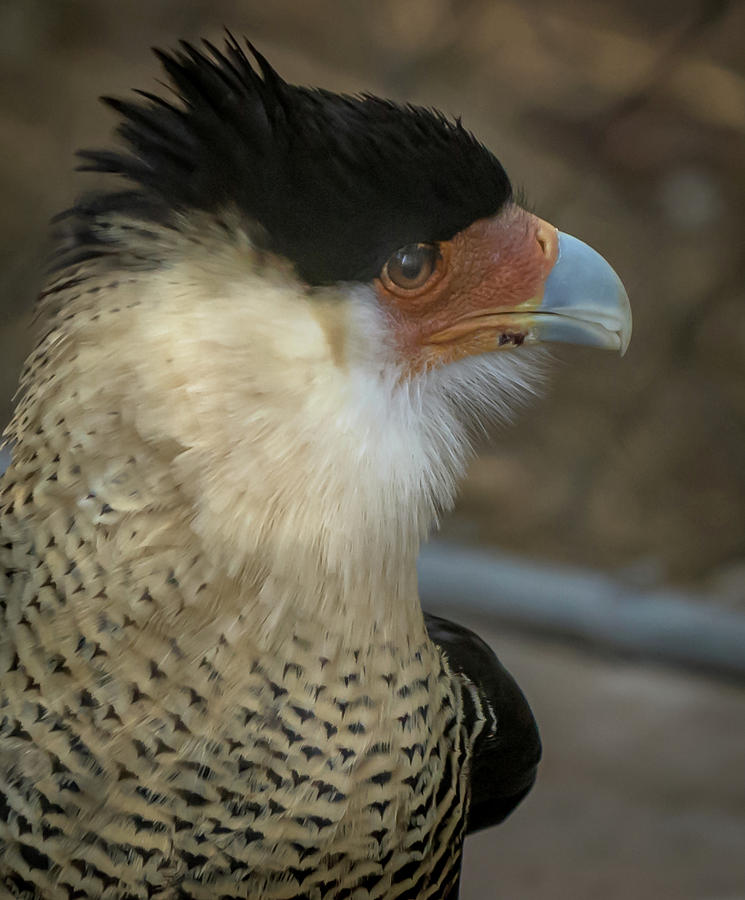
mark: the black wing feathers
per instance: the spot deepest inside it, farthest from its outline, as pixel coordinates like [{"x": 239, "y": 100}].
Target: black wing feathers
[{"x": 508, "y": 750}]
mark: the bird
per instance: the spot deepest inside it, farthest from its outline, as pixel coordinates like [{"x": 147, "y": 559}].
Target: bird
[{"x": 265, "y": 347}]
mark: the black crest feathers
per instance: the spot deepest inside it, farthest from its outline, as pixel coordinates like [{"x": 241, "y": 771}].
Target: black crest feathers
[{"x": 335, "y": 183}]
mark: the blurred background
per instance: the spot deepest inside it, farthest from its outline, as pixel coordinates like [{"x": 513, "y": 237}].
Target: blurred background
[{"x": 624, "y": 123}]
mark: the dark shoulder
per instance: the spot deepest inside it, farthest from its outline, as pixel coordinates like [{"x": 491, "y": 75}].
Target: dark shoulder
[{"x": 508, "y": 749}]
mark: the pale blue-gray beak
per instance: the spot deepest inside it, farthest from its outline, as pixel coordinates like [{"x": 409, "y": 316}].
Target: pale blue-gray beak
[{"x": 583, "y": 301}]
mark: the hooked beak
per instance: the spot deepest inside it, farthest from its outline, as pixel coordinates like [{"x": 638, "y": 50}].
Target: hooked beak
[{"x": 583, "y": 301}]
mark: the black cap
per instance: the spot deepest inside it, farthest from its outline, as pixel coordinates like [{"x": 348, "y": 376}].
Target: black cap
[{"x": 334, "y": 183}]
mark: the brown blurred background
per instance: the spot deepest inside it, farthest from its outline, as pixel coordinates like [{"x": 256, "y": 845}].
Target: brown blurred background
[{"x": 625, "y": 124}]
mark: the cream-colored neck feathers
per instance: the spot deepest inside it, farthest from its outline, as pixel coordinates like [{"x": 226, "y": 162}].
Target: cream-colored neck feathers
[{"x": 272, "y": 423}]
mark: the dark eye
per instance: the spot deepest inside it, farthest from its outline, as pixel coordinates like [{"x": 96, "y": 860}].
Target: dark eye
[{"x": 412, "y": 265}]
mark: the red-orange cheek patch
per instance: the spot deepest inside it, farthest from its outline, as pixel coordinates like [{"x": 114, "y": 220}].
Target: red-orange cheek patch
[{"x": 494, "y": 265}]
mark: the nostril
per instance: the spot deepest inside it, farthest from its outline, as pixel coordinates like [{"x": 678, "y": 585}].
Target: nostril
[{"x": 545, "y": 236}]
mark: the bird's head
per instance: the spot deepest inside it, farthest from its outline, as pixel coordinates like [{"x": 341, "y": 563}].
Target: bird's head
[{"x": 304, "y": 301}]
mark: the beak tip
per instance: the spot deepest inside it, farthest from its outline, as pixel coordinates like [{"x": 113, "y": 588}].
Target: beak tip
[{"x": 624, "y": 332}]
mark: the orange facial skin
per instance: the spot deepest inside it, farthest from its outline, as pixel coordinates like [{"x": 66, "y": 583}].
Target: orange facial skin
[{"x": 494, "y": 267}]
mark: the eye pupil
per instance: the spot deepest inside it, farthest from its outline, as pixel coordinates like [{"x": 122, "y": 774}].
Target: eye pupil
[
  {"x": 409, "y": 264},
  {"x": 412, "y": 265}
]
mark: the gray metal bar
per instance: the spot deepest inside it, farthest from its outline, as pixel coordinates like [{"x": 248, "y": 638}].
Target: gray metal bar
[{"x": 665, "y": 625}]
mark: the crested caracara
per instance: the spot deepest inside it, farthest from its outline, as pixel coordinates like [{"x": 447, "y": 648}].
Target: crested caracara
[{"x": 262, "y": 353}]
